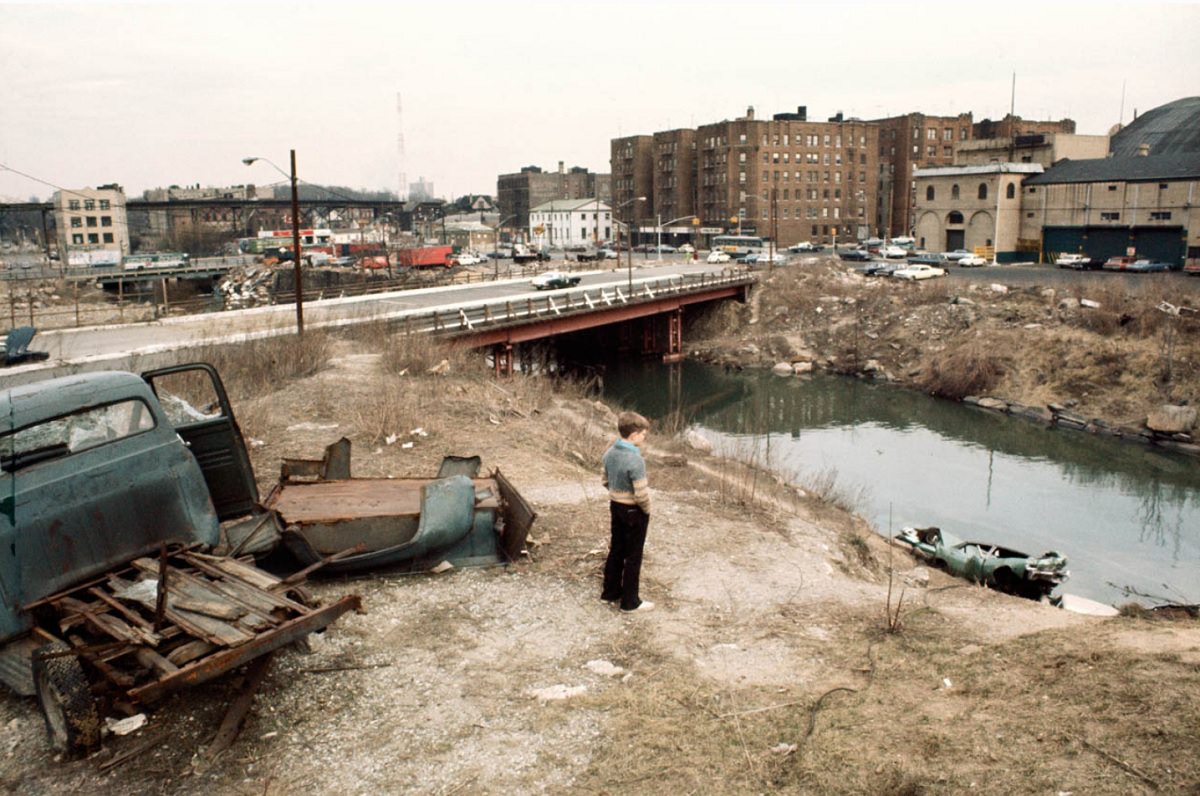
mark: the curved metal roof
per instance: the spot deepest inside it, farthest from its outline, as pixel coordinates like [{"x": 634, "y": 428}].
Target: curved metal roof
[{"x": 1171, "y": 129}]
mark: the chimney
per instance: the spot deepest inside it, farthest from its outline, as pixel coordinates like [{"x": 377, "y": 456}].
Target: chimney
[
  {"x": 560, "y": 167},
  {"x": 750, "y": 113},
  {"x": 802, "y": 112},
  {"x": 1143, "y": 150}
]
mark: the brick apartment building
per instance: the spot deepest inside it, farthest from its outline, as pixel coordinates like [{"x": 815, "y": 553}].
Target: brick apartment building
[
  {"x": 517, "y": 194},
  {"x": 906, "y": 143},
  {"x": 787, "y": 178}
]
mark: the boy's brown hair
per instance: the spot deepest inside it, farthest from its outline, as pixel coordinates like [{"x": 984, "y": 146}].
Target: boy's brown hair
[{"x": 629, "y": 423}]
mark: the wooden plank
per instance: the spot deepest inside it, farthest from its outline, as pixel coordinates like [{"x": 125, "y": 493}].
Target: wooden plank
[
  {"x": 229, "y": 566},
  {"x": 220, "y": 610},
  {"x": 152, "y": 660},
  {"x": 254, "y": 595},
  {"x": 190, "y": 651},
  {"x": 102, "y": 622},
  {"x": 130, "y": 615},
  {"x": 254, "y": 608},
  {"x": 212, "y": 630}
]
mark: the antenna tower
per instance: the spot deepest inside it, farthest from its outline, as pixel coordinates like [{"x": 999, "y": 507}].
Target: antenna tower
[{"x": 402, "y": 187}]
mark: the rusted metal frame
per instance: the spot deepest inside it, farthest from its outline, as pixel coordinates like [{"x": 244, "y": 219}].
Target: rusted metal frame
[
  {"x": 220, "y": 662},
  {"x": 160, "y": 605}
]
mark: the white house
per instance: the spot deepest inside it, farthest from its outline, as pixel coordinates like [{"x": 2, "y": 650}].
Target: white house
[{"x": 570, "y": 222}]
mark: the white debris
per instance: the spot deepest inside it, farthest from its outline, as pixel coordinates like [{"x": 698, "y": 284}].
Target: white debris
[
  {"x": 556, "y": 693},
  {"x": 125, "y": 726},
  {"x": 308, "y": 425},
  {"x": 390, "y": 439},
  {"x": 783, "y": 749},
  {"x": 604, "y": 668}
]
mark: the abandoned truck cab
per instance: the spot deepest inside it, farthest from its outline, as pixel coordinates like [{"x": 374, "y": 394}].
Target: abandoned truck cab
[
  {"x": 113, "y": 487},
  {"x": 94, "y": 475}
]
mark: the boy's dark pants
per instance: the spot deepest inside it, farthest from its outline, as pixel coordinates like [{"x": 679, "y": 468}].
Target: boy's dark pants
[{"x": 623, "y": 569}]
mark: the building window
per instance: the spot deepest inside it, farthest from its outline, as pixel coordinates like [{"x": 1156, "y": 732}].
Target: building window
[
  {"x": 948, "y": 134},
  {"x": 77, "y": 239},
  {"x": 962, "y": 134},
  {"x": 931, "y": 151},
  {"x": 954, "y": 191},
  {"x": 76, "y": 222},
  {"x": 1112, "y": 187},
  {"x": 929, "y": 194},
  {"x": 742, "y": 138},
  {"x": 1011, "y": 191},
  {"x": 954, "y": 217},
  {"x": 931, "y": 134},
  {"x": 106, "y": 221},
  {"x": 983, "y": 190},
  {"x": 1160, "y": 215},
  {"x": 108, "y": 237},
  {"x": 89, "y": 204},
  {"x": 93, "y": 237},
  {"x": 91, "y": 221},
  {"x": 104, "y": 204},
  {"x": 1110, "y": 216}
]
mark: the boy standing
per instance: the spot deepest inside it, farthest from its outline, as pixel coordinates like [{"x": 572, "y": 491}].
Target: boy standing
[{"x": 629, "y": 507}]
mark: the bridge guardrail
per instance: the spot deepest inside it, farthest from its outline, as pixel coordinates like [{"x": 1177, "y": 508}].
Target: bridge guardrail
[{"x": 493, "y": 314}]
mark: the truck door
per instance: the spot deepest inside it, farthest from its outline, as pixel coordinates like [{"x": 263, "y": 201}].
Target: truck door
[{"x": 194, "y": 399}]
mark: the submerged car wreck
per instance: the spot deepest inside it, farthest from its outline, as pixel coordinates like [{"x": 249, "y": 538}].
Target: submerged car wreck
[
  {"x": 997, "y": 567},
  {"x": 410, "y": 524}
]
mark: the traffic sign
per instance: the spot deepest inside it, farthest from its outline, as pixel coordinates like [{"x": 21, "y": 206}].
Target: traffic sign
[{"x": 711, "y": 230}]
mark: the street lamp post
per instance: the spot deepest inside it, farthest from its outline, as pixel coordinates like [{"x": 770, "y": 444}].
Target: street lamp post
[
  {"x": 295, "y": 236},
  {"x": 658, "y": 232},
  {"x": 630, "y": 241}
]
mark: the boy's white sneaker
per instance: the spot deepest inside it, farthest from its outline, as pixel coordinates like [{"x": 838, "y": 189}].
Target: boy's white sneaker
[{"x": 646, "y": 605}]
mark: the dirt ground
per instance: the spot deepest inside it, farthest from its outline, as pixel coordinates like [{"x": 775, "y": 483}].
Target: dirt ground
[{"x": 790, "y": 650}]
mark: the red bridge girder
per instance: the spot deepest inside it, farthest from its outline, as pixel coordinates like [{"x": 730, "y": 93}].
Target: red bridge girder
[{"x": 577, "y": 320}]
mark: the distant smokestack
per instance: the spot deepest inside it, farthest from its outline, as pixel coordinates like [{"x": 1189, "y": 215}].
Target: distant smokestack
[
  {"x": 560, "y": 167},
  {"x": 750, "y": 113}
]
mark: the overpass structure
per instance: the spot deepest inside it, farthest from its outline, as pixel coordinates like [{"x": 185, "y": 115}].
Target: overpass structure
[{"x": 648, "y": 315}]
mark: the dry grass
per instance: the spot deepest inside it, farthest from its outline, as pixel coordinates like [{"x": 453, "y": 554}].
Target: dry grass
[
  {"x": 971, "y": 368},
  {"x": 264, "y": 365}
]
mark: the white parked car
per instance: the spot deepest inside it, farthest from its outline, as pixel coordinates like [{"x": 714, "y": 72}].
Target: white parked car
[
  {"x": 718, "y": 256},
  {"x": 686, "y": 248},
  {"x": 802, "y": 246},
  {"x": 971, "y": 261},
  {"x": 466, "y": 259},
  {"x": 918, "y": 272},
  {"x": 893, "y": 252}
]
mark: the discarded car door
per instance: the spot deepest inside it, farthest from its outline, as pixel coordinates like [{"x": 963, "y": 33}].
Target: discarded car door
[{"x": 196, "y": 404}]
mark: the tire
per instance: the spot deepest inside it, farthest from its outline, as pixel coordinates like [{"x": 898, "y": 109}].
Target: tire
[{"x": 65, "y": 698}]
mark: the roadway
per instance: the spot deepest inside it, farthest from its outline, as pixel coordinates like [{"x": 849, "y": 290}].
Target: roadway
[{"x": 107, "y": 346}]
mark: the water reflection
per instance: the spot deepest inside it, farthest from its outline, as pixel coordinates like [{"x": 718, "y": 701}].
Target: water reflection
[{"x": 1125, "y": 515}]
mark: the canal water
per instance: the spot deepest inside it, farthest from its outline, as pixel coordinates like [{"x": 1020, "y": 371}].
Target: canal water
[{"x": 1127, "y": 517}]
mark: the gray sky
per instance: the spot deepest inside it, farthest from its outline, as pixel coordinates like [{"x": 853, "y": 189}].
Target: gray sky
[{"x": 155, "y": 93}]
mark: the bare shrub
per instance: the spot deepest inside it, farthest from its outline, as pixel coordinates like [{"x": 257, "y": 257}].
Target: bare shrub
[
  {"x": 252, "y": 367},
  {"x": 969, "y": 369}
]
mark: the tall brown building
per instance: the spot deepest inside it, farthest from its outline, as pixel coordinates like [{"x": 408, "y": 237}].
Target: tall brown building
[
  {"x": 632, "y": 165},
  {"x": 530, "y": 187},
  {"x": 787, "y": 178},
  {"x": 905, "y": 143}
]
